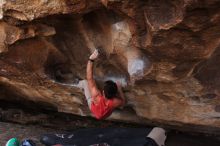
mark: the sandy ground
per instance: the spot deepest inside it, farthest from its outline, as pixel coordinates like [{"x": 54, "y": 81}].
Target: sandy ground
[{"x": 9, "y": 130}]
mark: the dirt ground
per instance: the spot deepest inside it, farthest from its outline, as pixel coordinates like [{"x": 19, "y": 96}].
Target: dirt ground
[
  {"x": 9, "y": 130},
  {"x": 20, "y": 122}
]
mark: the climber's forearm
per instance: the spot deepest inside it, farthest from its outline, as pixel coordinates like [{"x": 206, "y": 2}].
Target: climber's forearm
[
  {"x": 89, "y": 75},
  {"x": 89, "y": 70},
  {"x": 91, "y": 82}
]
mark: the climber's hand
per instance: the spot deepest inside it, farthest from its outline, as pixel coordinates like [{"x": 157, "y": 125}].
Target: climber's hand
[{"x": 94, "y": 55}]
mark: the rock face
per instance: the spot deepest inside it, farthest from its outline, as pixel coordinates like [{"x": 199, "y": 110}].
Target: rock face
[{"x": 165, "y": 53}]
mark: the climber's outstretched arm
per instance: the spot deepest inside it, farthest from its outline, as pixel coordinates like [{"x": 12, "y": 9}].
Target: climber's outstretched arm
[{"x": 89, "y": 75}]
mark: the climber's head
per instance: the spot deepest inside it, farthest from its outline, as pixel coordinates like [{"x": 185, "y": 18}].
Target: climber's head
[{"x": 110, "y": 89}]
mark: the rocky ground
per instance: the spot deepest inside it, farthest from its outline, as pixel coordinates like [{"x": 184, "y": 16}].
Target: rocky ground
[{"x": 9, "y": 130}]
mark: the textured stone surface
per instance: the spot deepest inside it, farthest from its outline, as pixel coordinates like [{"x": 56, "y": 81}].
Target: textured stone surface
[{"x": 165, "y": 53}]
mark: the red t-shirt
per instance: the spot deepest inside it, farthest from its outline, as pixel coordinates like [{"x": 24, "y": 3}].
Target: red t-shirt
[{"x": 103, "y": 108}]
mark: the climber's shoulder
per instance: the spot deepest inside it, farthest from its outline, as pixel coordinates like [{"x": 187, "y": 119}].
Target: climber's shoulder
[{"x": 117, "y": 102}]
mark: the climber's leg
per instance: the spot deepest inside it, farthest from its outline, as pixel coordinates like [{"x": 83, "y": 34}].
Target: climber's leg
[{"x": 83, "y": 84}]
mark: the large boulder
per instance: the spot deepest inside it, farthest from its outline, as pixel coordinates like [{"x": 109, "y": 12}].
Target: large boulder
[{"x": 165, "y": 53}]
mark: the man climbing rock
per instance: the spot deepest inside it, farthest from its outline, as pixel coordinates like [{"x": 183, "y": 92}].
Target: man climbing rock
[{"x": 101, "y": 103}]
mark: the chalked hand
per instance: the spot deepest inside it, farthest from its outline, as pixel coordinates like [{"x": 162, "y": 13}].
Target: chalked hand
[{"x": 94, "y": 55}]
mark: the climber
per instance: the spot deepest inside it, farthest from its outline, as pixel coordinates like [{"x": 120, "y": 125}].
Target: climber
[{"x": 100, "y": 103}]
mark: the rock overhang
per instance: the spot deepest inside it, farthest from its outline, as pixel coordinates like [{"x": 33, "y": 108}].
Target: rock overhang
[{"x": 167, "y": 50}]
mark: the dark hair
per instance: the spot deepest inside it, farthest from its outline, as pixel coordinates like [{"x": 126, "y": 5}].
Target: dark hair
[{"x": 110, "y": 89}]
